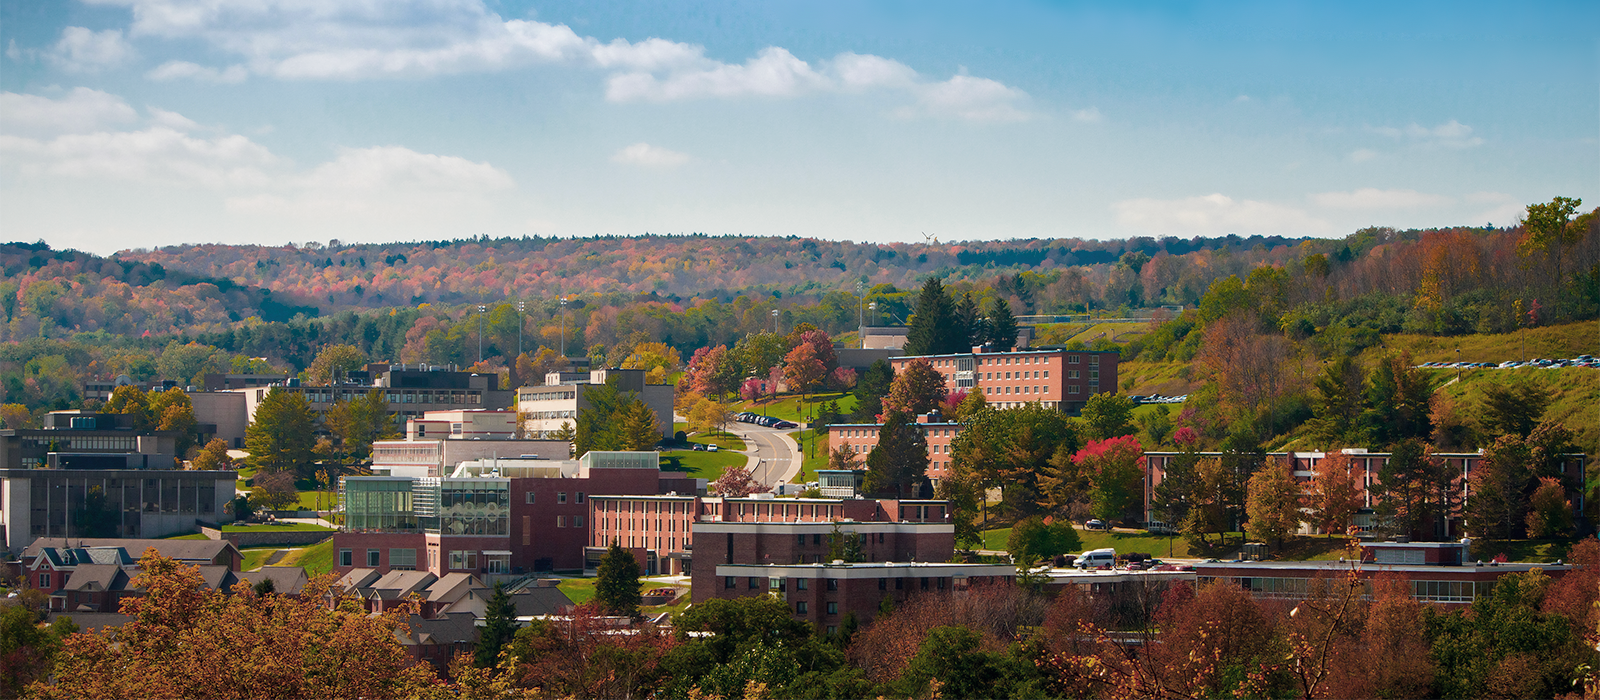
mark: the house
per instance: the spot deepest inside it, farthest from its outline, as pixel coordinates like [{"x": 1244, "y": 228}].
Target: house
[
  {"x": 438, "y": 640},
  {"x": 286, "y": 580}
]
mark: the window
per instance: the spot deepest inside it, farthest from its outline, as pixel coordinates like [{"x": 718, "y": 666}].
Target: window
[
  {"x": 800, "y": 584},
  {"x": 899, "y": 584},
  {"x": 833, "y": 584},
  {"x": 1072, "y": 374},
  {"x": 816, "y": 539},
  {"x": 730, "y": 582},
  {"x": 561, "y": 521},
  {"x": 924, "y": 583},
  {"x": 1073, "y": 389},
  {"x": 346, "y": 558},
  {"x": 1094, "y": 360},
  {"x": 800, "y": 540},
  {"x": 883, "y": 584},
  {"x": 1072, "y": 359},
  {"x": 561, "y": 497},
  {"x": 800, "y": 608},
  {"x": 755, "y": 583},
  {"x": 530, "y": 497},
  {"x": 372, "y": 558},
  {"x": 44, "y": 580},
  {"x": 577, "y": 521},
  {"x": 1047, "y": 374},
  {"x": 580, "y": 496},
  {"x": 833, "y": 608},
  {"x": 405, "y": 559}
]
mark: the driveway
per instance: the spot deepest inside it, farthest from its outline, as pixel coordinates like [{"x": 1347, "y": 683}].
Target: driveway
[{"x": 772, "y": 454}]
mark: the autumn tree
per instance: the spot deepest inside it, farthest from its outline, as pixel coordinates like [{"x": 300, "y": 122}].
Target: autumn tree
[
  {"x": 15, "y": 416},
  {"x": 273, "y": 490},
  {"x": 281, "y": 438},
  {"x": 1548, "y": 228},
  {"x": 916, "y": 390},
  {"x": 708, "y": 415},
  {"x": 1115, "y": 469},
  {"x": 736, "y": 482},
  {"x": 131, "y": 401},
  {"x": 1334, "y": 497},
  {"x": 803, "y": 369},
  {"x": 186, "y": 639},
  {"x": 1273, "y": 503},
  {"x": 900, "y": 461},
  {"x": 842, "y": 457},
  {"x": 334, "y": 362},
  {"x": 214, "y": 456},
  {"x": 651, "y": 355},
  {"x": 1107, "y": 416},
  {"x": 172, "y": 411},
  {"x": 616, "y": 586},
  {"x": 1549, "y": 511}
]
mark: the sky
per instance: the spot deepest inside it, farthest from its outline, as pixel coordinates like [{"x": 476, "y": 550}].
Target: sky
[{"x": 141, "y": 123}]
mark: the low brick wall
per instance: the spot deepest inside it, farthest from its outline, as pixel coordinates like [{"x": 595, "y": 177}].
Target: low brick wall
[{"x": 267, "y": 536}]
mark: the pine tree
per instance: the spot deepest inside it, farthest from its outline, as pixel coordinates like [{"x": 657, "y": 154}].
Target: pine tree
[
  {"x": 499, "y": 626},
  {"x": 637, "y": 426},
  {"x": 281, "y": 438},
  {"x": 616, "y": 586},
  {"x": 969, "y": 322},
  {"x": 871, "y": 389},
  {"x": 1002, "y": 326},
  {"x": 901, "y": 458},
  {"x": 933, "y": 327}
]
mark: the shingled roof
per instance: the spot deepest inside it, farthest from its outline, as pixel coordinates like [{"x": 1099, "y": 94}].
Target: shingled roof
[{"x": 188, "y": 551}]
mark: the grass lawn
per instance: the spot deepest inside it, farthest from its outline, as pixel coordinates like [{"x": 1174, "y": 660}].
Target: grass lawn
[
  {"x": 190, "y": 536},
  {"x": 1573, "y": 395},
  {"x": 788, "y": 407},
  {"x": 703, "y": 465},
  {"x": 1522, "y": 550},
  {"x": 317, "y": 558},
  {"x": 815, "y": 458},
  {"x": 285, "y": 527},
  {"x": 581, "y": 590},
  {"x": 725, "y": 441},
  {"x": 318, "y": 500},
  {"x": 254, "y": 557}
]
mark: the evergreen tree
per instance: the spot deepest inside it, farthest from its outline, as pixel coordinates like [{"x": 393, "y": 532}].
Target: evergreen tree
[
  {"x": 1513, "y": 409},
  {"x": 871, "y": 389},
  {"x": 499, "y": 627},
  {"x": 637, "y": 427},
  {"x": 1397, "y": 401},
  {"x": 1002, "y": 326},
  {"x": 969, "y": 323},
  {"x": 1337, "y": 404},
  {"x": 933, "y": 328},
  {"x": 281, "y": 438},
  {"x": 900, "y": 460},
  {"x": 616, "y": 586}
]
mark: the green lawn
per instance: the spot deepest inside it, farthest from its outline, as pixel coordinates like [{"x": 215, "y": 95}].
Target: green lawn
[
  {"x": 255, "y": 557},
  {"x": 318, "y": 500},
  {"x": 190, "y": 536},
  {"x": 788, "y": 407},
  {"x": 703, "y": 465},
  {"x": 284, "y": 527},
  {"x": 317, "y": 558},
  {"x": 581, "y": 590},
  {"x": 725, "y": 441},
  {"x": 815, "y": 458}
]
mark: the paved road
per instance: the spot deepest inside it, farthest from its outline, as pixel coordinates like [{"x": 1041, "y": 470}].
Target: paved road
[{"x": 772, "y": 454}]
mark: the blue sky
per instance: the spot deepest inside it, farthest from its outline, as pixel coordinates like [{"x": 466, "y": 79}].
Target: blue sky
[{"x": 136, "y": 123}]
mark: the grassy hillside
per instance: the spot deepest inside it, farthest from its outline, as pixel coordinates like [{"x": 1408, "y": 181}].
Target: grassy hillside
[
  {"x": 1575, "y": 392},
  {"x": 1569, "y": 340}
]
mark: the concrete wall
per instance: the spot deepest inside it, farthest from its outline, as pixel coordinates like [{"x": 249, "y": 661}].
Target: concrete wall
[
  {"x": 224, "y": 409},
  {"x": 266, "y": 537}
]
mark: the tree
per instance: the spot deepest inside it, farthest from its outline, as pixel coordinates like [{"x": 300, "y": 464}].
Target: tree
[
  {"x": 638, "y": 429},
  {"x": 842, "y": 457},
  {"x": 969, "y": 322},
  {"x": 1549, "y": 511},
  {"x": 1413, "y": 489},
  {"x": 871, "y": 389},
  {"x": 803, "y": 369},
  {"x": 172, "y": 411},
  {"x": 900, "y": 461},
  {"x": 131, "y": 401},
  {"x": 736, "y": 482},
  {"x": 281, "y": 438},
  {"x": 274, "y": 490},
  {"x": 1010, "y": 449},
  {"x": 651, "y": 355},
  {"x": 1397, "y": 401},
  {"x": 951, "y": 662},
  {"x": 1107, "y": 416},
  {"x": 933, "y": 327},
  {"x": 565, "y": 433},
  {"x": 27, "y": 649},
  {"x": 1495, "y": 502},
  {"x": 917, "y": 390},
  {"x": 1036, "y": 539},
  {"x": 214, "y": 456},
  {"x": 971, "y": 405},
  {"x": 961, "y": 491},
  {"x": 335, "y": 362},
  {"x": 1337, "y": 404},
  {"x": 15, "y": 416},
  {"x": 616, "y": 586},
  {"x": 1115, "y": 469},
  {"x": 1273, "y": 503},
  {"x": 708, "y": 415},
  {"x": 186, "y": 639},
  {"x": 499, "y": 627},
  {"x": 1513, "y": 409},
  {"x": 1001, "y": 326},
  {"x": 1172, "y": 498},
  {"x": 1334, "y": 495},
  {"x": 1548, "y": 228},
  {"x": 597, "y": 424}
]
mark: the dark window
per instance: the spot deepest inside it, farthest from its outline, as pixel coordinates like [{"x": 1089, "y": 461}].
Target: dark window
[
  {"x": 883, "y": 584},
  {"x": 924, "y": 583},
  {"x": 799, "y": 584},
  {"x": 755, "y": 582},
  {"x": 800, "y": 540},
  {"x": 346, "y": 558},
  {"x": 833, "y": 608},
  {"x": 899, "y": 584},
  {"x": 800, "y": 607},
  {"x": 816, "y": 538},
  {"x": 833, "y": 584},
  {"x": 731, "y": 582},
  {"x": 372, "y": 557},
  {"x": 880, "y": 538}
]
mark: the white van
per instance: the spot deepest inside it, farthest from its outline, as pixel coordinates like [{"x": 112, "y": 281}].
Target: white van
[{"x": 1096, "y": 558}]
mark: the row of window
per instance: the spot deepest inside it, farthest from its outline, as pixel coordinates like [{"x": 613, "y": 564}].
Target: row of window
[
  {"x": 801, "y": 584},
  {"x": 399, "y": 558},
  {"x": 561, "y": 497},
  {"x": 669, "y": 544}
]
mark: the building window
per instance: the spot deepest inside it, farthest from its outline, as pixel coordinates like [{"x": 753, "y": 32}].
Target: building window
[
  {"x": 372, "y": 558},
  {"x": 755, "y": 583},
  {"x": 530, "y": 497},
  {"x": 730, "y": 582},
  {"x": 833, "y": 608},
  {"x": 561, "y": 521},
  {"x": 580, "y": 496},
  {"x": 346, "y": 558},
  {"x": 561, "y": 497},
  {"x": 577, "y": 521},
  {"x": 833, "y": 584},
  {"x": 44, "y": 580},
  {"x": 1073, "y": 389},
  {"x": 924, "y": 583},
  {"x": 405, "y": 559},
  {"x": 800, "y": 608},
  {"x": 883, "y": 584},
  {"x": 800, "y": 540},
  {"x": 899, "y": 584}
]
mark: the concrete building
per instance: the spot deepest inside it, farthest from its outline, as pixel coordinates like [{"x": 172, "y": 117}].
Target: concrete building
[
  {"x": 489, "y": 516},
  {"x": 556, "y": 404},
  {"x": 410, "y": 391},
  {"x": 222, "y": 415},
  {"x": 884, "y": 337},
  {"x": 437, "y": 441},
  {"x": 1365, "y": 467},
  {"x": 862, "y": 439},
  {"x": 1063, "y": 379}
]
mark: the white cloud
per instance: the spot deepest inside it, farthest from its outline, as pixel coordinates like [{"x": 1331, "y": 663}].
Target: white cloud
[
  {"x": 357, "y": 39},
  {"x": 650, "y": 156},
  {"x": 82, "y": 50},
  {"x": 1215, "y": 214},
  {"x": 80, "y": 110},
  {"x": 391, "y": 168},
  {"x": 156, "y": 154},
  {"x": 184, "y": 70},
  {"x": 1373, "y": 198},
  {"x": 1451, "y": 134},
  {"x": 385, "y": 183}
]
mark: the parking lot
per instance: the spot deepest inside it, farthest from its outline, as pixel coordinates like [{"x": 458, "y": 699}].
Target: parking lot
[{"x": 1580, "y": 362}]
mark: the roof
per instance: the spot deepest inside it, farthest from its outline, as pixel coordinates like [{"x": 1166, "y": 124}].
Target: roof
[
  {"x": 286, "y": 580},
  {"x": 356, "y": 579},
  {"x": 93, "y": 578},
  {"x": 218, "y": 577},
  {"x": 453, "y": 587},
  {"x": 399, "y": 584},
  {"x": 181, "y": 550},
  {"x": 540, "y": 601},
  {"x": 452, "y": 628}
]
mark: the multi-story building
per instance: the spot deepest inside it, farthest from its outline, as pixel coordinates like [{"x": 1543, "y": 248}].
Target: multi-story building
[
  {"x": 437, "y": 441},
  {"x": 862, "y": 439},
  {"x": 547, "y": 409},
  {"x": 410, "y": 391},
  {"x": 489, "y": 516},
  {"x": 1055, "y": 378},
  {"x": 1364, "y": 469}
]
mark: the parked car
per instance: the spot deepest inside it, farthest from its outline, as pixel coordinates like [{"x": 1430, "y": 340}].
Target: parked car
[
  {"x": 786, "y": 425},
  {"x": 699, "y": 447},
  {"x": 1095, "y": 524}
]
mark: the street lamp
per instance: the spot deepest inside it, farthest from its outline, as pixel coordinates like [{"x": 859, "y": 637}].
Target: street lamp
[{"x": 481, "y": 309}]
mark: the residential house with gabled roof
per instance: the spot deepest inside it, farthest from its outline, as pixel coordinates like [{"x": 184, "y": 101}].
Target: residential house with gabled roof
[
  {"x": 438, "y": 640},
  {"x": 286, "y": 580}
]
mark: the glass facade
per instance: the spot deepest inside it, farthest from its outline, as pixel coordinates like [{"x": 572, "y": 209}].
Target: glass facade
[
  {"x": 378, "y": 503},
  {"x": 474, "y": 507}
]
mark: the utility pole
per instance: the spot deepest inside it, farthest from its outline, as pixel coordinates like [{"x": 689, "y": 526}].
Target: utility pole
[{"x": 481, "y": 309}]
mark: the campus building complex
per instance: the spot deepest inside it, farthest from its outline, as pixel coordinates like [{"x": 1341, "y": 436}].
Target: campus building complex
[
  {"x": 862, "y": 439},
  {"x": 409, "y": 390},
  {"x": 547, "y": 409},
  {"x": 1061, "y": 379}
]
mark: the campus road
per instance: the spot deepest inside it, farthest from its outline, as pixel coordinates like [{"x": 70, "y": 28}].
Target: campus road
[{"x": 772, "y": 454}]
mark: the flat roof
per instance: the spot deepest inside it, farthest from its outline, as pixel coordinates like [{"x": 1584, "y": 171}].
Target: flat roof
[
  {"x": 1312, "y": 568},
  {"x": 865, "y": 570}
]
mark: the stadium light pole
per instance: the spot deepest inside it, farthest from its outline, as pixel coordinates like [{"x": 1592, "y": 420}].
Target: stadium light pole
[
  {"x": 774, "y": 321},
  {"x": 481, "y": 309},
  {"x": 861, "y": 315},
  {"x": 563, "y": 327},
  {"x": 522, "y": 310}
]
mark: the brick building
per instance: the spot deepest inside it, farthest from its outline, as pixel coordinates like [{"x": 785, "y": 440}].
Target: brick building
[
  {"x": 862, "y": 439},
  {"x": 1063, "y": 379},
  {"x": 825, "y": 594}
]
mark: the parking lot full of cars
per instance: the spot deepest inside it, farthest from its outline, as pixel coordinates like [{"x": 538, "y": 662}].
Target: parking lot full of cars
[
  {"x": 765, "y": 421},
  {"x": 1581, "y": 361}
]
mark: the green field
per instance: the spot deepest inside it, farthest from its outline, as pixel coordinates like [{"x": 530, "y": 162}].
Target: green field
[
  {"x": 815, "y": 458},
  {"x": 724, "y": 441},
  {"x": 703, "y": 465},
  {"x": 581, "y": 590},
  {"x": 254, "y": 557},
  {"x": 285, "y": 527},
  {"x": 789, "y": 407},
  {"x": 317, "y": 558}
]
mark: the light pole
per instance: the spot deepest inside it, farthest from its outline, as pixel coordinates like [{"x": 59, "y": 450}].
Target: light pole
[
  {"x": 481, "y": 309},
  {"x": 861, "y": 314},
  {"x": 563, "y": 328},
  {"x": 522, "y": 311},
  {"x": 1458, "y": 364},
  {"x": 874, "y": 306},
  {"x": 774, "y": 321}
]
